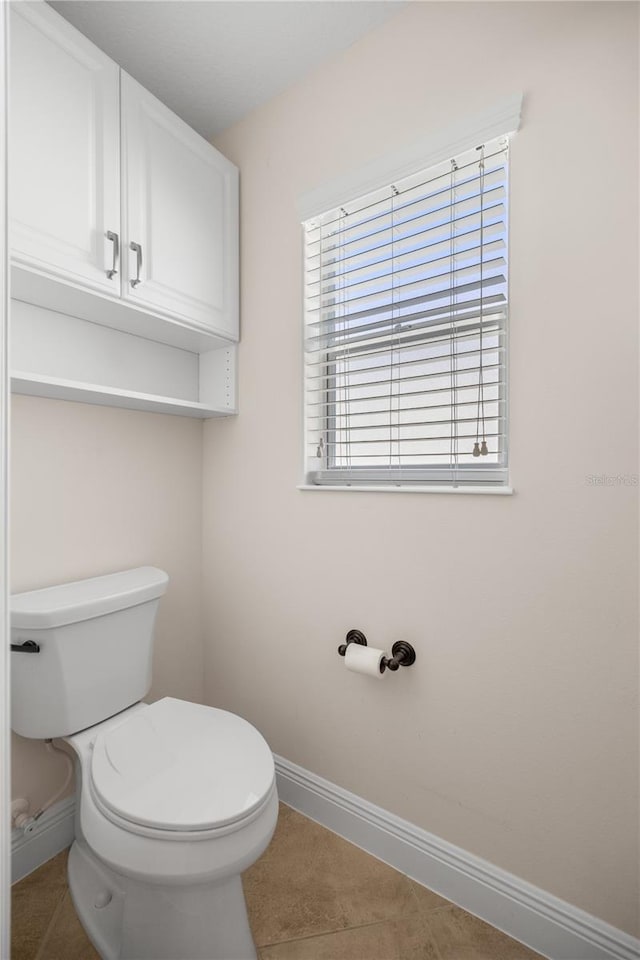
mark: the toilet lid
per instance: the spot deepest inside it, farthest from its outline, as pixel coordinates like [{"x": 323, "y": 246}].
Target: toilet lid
[{"x": 182, "y": 766}]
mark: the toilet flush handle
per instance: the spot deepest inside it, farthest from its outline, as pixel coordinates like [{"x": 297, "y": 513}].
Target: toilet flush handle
[{"x": 29, "y": 646}]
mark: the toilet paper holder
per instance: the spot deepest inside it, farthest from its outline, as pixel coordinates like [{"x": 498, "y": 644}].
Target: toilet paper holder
[{"x": 402, "y": 653}]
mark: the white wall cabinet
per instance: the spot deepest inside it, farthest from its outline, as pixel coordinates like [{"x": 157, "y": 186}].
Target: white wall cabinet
[
  {"x": 120, "y": 215},
  {"x": 64, "y": 150},
  {"x": 180, "y": 216}
]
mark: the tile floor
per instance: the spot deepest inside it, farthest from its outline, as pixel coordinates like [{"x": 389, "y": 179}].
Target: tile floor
[{"x": 312, "y": 896}]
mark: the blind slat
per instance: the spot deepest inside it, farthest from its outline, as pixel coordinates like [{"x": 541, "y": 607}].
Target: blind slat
[
  {"x": 434, "y": 334},
  {"x": 325, "y": 332},
  {"x": 390, "y": 425},
  {"x": 441, "y": 269},
  {"x": 438, "y": 474},
  {"x": 405, "y": 322},
  {"x": 493, "y": 213},
  {"x": 445, "y": 293},
  {"x": 398, "y": 267},
  {"x": 386, "y": 411},
  {"x": 467, "y": 170},
  {"x": 409, "y": 393},
  {"x": 410, "y": 453},
  {"x": 362, "y": 377},
  {"x": 409, "y": 340},
  {"x": 415, "y": 377},
  {"x": 333, "y": 252},
  {"x": 347, "y": 232},
  {"x": 463, "y": 236}
]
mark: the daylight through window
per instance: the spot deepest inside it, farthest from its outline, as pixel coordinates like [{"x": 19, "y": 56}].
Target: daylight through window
[{"x": 405, "y": 330}]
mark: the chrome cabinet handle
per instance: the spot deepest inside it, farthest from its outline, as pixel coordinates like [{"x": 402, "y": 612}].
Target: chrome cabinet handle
[
  {"x": 137, "y": 249},
  {"x": 116, "y": 253}
]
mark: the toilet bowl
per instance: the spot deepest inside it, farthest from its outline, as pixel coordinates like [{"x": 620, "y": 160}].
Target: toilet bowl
[
  {"x": 174, "y": 799},
  {"x": 155, "y": 868}
]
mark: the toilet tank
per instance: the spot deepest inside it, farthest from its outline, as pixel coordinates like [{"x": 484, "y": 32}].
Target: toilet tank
[{"x": 91, "y": 645}]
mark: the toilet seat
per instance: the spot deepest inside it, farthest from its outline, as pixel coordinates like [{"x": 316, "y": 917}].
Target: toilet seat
[{"x": 182, "y": 770}]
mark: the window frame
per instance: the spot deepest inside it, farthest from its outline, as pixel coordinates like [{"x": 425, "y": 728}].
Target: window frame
[{"x": 463, "y": 477}]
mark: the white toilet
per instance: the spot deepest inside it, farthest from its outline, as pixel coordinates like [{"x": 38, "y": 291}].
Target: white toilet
[{"x": 174, "y": 799}]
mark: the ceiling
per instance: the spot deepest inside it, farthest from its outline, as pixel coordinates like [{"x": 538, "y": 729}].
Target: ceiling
[{"x": 213, "y": 61}]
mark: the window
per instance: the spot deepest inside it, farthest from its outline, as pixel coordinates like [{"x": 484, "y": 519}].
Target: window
[{"x": 406, "y": 302}]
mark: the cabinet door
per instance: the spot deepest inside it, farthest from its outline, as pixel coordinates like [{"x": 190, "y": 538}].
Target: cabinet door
[
  {"x": 64, "y": 186},
  {"x": 180, "y": 217}
]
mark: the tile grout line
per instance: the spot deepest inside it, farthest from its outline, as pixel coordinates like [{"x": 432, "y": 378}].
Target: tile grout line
[
  {"x": 421, "y": 913},
  {"x": 50, "y": 925},
  {"x": 424, "y": 916},
  {"x": 357, "y": 926},
  {"x": 424, "y": 911},
  {"x": 330, "y": 933},
  {"x": 413, "y": 909}
]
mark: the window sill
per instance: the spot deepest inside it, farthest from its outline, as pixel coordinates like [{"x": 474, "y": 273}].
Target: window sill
[{"x": 413, "y": 488}]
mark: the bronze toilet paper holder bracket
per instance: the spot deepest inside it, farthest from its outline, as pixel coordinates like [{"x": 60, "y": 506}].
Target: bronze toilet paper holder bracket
[{"x": 402, "y": 653}]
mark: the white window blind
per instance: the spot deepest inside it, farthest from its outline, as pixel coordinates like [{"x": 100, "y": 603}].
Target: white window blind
[{"x": 405, "y": 330}]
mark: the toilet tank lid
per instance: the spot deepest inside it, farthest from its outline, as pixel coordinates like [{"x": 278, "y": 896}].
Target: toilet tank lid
[{"x": 85, "y": 599}]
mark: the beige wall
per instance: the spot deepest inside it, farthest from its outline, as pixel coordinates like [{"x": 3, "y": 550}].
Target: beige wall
[
  {"x": 94, "y": 490},
  {"x": 515, "y": 735}
]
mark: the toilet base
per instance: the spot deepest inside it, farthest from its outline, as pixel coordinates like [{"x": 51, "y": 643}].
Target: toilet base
[{"x": 129, "y": 920}]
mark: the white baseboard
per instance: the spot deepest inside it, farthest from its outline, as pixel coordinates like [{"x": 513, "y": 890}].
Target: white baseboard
[
  {"x": 52, "y": 833},
  {"x": 546, "y": 924},
  {"x": 541, "y": 921}
]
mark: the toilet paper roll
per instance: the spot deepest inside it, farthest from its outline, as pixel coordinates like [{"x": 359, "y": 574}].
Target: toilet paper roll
[{"x": 367, "y": 660}]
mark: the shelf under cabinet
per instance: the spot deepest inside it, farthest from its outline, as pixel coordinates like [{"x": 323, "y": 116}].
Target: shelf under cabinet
[
  {"x": 66, "y": 358},
  {"x": 36, "y": 385},
  {"x": 31, "y": 286}
]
